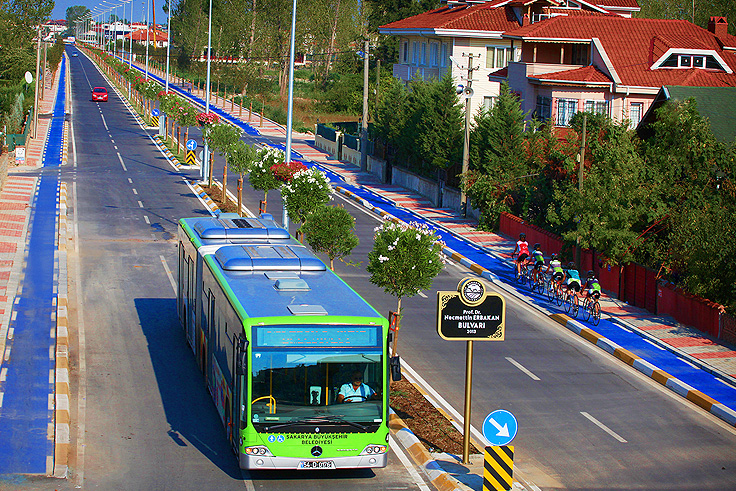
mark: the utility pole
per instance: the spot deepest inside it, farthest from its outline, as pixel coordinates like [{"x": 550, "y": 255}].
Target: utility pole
[
  {"x": 581, "y": 157},
  {"x": 364, "y": 129},
  {"x": 467, "y": 92},
  {"x": 35, "y": 100}
]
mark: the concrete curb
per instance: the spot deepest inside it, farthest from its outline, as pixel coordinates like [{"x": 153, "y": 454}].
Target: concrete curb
[
  {"x": 439, "y": 478},
  {"x": 62, "y": 433}
]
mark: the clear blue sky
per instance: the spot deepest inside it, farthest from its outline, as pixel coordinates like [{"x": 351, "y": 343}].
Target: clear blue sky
[{"x": 60, "y": 7}]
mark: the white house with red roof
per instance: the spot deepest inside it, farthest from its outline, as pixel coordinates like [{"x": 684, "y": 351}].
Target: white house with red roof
[
  {"x": 612, "y": 65},
  {"x": 440, "y": 41}
]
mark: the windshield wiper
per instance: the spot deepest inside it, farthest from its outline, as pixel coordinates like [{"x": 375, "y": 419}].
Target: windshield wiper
[{"x": 318, "y": 420}]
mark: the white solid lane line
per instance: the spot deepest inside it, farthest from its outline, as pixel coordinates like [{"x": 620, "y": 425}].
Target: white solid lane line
[
  {"x": 168, "y": 273},
  {"x": 522, "y": 368},
  {"x": 409, "y": 467},
  {"x": 603, "y": 427}
]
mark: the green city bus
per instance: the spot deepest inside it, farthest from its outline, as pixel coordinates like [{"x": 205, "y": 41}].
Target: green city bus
[{"x": 281, "y": 340}]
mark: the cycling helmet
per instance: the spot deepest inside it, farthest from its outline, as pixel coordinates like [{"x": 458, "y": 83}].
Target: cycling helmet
[
  {"x": 553, "y": 256},
  {"x": 591, "y": 274},
  {"x": 571, "y": 265},
  {"x": 522, "y": 236},
  {"x": 537, "y": 246}
]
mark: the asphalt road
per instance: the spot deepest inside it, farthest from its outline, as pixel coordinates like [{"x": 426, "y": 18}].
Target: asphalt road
[
  {"x": 586, "y": 420},
  {"x": 144, "y": 417}
]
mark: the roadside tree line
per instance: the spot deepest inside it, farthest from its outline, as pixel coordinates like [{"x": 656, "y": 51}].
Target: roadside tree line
[{"x": 667, "y": 201}]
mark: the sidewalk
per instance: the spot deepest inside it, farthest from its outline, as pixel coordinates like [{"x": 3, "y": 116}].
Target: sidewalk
[{"x": 682, "y": 358}]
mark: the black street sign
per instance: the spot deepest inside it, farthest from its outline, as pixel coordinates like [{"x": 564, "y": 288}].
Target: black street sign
[{"x": 470, "y": 314}]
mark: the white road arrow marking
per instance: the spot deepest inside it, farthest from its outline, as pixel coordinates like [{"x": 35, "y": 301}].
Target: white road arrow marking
[{"x": 502, "y": 430}]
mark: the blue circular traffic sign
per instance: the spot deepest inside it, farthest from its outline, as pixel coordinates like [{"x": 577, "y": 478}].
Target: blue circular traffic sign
[
  {"x": 500, "y": 427},
  {"x": 155, "y": 112},
  {"x": 191, "y": 144}
]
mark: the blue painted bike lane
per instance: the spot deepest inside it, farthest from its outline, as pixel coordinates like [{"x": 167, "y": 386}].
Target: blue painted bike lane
[
  {"x": 500, "y": 270},
  {"x": 26, "y": 444}
]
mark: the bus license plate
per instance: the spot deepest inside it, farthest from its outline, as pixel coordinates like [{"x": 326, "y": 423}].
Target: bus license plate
[{"x": 316, "y": 464}]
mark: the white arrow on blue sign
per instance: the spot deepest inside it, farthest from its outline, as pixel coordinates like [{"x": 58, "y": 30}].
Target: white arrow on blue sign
[
  {"x": 155, "y": 112},
  {"x": 191, "y": 144},
  {"x": 500, "y": 427}
]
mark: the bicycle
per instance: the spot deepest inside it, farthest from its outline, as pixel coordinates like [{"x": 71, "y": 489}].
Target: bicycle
[
  {"x": 525, "y": 275},
  {"x": 572, "y": 304},
  {"x": 537, "y": 281},
  {"x": 592, "y": 308}
]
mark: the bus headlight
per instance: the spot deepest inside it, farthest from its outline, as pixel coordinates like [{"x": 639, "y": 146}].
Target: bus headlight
[
  {"x": 374, "y": 449},
  {"x": 258, "y": 450}
]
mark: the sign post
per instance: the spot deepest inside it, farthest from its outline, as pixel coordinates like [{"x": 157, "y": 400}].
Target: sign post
[
  {"x": 191, "y": 147},
  {"x": 154, "y": 116},
  {"x": 470, "y": 314}
]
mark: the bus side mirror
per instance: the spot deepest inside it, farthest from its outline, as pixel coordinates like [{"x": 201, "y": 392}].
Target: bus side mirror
[
  {"x": 395, "y": 364},
  {"x": 241, "y": 362}
]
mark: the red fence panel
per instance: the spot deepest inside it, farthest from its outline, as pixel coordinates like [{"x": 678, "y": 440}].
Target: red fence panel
[
  {"x": 650, "y": 292},
  {"x": 689, "y": 309},
  {"x": 609, "y": 279}
]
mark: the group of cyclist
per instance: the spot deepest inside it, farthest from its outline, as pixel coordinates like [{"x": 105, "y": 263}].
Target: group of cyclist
[{"x": 569, "y": 276}]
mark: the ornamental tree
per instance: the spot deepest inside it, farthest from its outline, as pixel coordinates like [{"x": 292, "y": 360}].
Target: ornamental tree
[
  {"x": 222, "y": 137},
  {"x": 262, "y": 176},
  {"x": 240, "y": 158},
  {"x": 331, "y": 230},
  {"x": 307, "y": 190},
  {"x": 405, "y": 260}
]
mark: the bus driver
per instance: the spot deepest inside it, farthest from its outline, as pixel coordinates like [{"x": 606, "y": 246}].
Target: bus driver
[{"x": 355, "y": 391}]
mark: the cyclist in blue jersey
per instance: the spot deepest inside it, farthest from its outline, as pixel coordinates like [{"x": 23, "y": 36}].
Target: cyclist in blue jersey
[{"x": 572, "y": 278}]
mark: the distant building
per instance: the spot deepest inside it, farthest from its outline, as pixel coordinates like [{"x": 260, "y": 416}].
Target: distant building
[
  {"x": 438, "y": 42},
  {"x": 612, "y": 65},
  {"x": 152, "y": 36}
]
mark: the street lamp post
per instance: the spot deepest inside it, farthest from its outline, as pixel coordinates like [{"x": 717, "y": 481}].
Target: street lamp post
[
  {"x": 148, "y": 31},
  {"x": 168, "y": 41},
  {"x": 206, "y": 155},
  {"x": 291, "y": 102}
]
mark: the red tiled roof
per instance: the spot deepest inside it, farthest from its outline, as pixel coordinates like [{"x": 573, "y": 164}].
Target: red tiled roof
[
  {"x": 483, "y": 17},
  {"x": 500, "y": 73},
  {"x": 585, "y": 74},
  {"x": 152, "y": 36},
  {"x": 633, "y": 45},
  {"x": 627, "y": 4}
]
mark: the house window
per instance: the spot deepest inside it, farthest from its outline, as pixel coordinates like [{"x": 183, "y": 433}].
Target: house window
[
  {"x": 580, "y": 54},
  {"x": 677, "y": 60},
  {"x": 414, "y": 53},
  {"x": 597, "y": 107},
  {"x": 544, "y": 108},
  {"x": 424, "y": 53},
  {"x": 635, "y": 110},
  {"x": 498, "y": 56},
  {"x": 488, "y": 103},
  {"x": 566, "y": 109},
  {"x": 433, "y": 48},
  {"x": 443, "y": 58},
  {"x": 405, "y": 49}
]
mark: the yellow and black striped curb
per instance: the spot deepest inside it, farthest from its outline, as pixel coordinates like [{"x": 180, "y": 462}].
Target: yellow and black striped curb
[
  {"x": 699, "y": 398},
  {"x": 167, "y": 151},
  {"x": 206, "y": 198},
  {"x": 439, "y": 478},
  {"x": 61, "y": 370}
]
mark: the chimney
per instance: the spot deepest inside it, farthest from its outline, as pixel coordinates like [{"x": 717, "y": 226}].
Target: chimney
[
  {"x": 525, "y": 20},
  {"x": 718, "y": 26}
]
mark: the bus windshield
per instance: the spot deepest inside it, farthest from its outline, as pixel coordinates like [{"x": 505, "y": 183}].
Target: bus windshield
[{"x": 297, "y": 385}]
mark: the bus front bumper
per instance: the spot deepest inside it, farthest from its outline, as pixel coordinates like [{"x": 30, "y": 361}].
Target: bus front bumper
[{"x": 355, "y": 462}]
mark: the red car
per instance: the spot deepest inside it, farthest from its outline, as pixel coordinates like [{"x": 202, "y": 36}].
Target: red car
[{"x": 99, "y": 94}]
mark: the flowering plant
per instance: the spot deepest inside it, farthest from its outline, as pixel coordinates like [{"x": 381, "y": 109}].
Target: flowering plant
[
  {"x": 308, "y": 189},
  {"x": 285, "y": 171},
  {"x": 405, "y": 258},
  {"x": 205, "y": 119}
]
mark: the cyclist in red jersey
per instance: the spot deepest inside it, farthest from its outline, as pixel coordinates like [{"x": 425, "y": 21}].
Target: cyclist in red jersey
[{"x": 522, "y": 246}]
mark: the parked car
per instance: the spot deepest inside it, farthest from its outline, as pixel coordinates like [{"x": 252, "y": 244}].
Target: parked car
[
  {"x": 75, "y": 54},
  {"x": 99, "y": 94}
]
